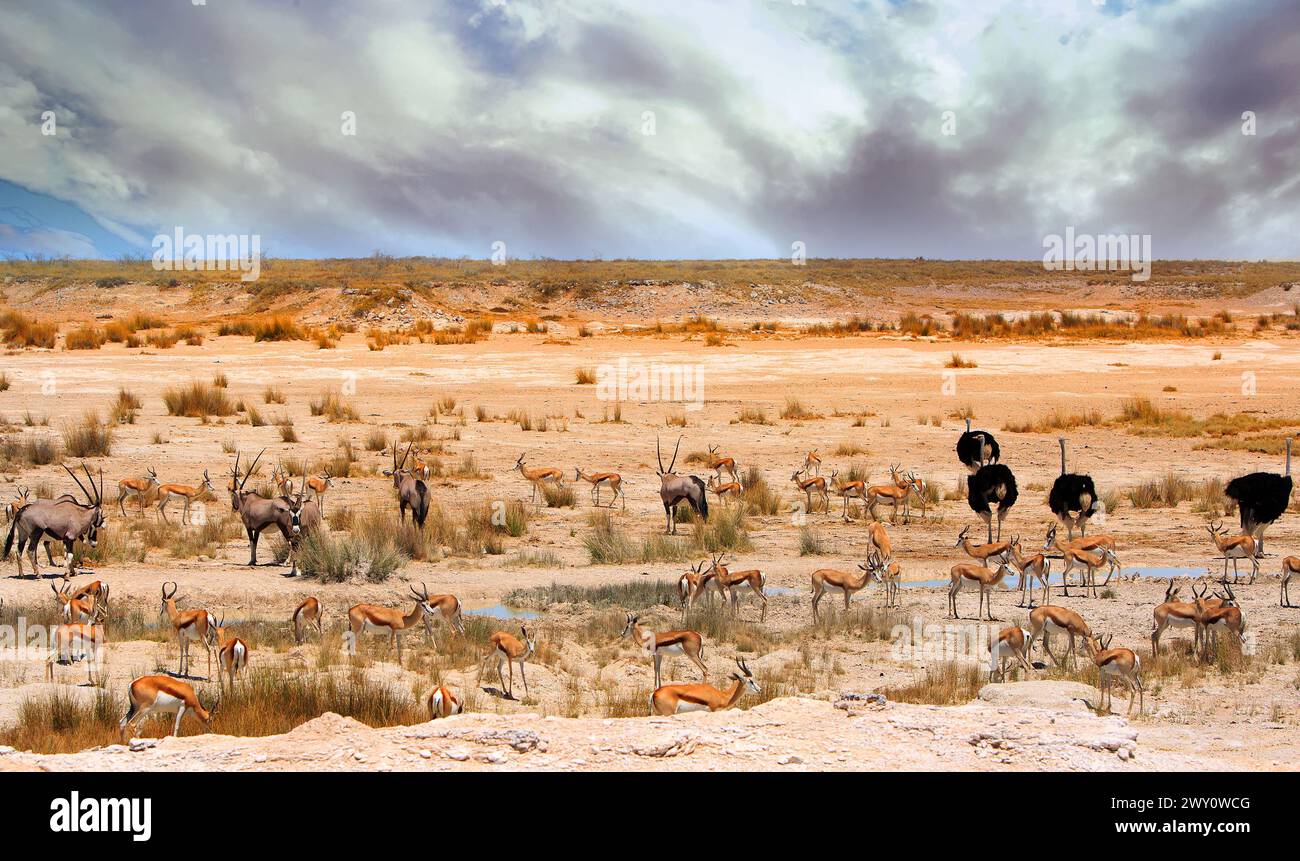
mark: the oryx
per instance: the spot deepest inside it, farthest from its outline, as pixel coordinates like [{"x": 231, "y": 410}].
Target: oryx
[
  {"x": 412, "y": 492},
  {"x": 673, "y": 488},
  {"x": 63, "y": 519},
  {"x": 257, "y": 512}
]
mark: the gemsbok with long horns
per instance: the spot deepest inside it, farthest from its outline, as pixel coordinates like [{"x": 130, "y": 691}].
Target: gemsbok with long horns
[
  {"x": 674, "y": 488},
  {"x": 412, "y": 492},
  {"x": 63, "y": 519},
  {"x": 256, "y": 512}
]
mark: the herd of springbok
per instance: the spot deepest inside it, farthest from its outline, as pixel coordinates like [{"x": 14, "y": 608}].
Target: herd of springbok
[{"x": 296, "y": 510}]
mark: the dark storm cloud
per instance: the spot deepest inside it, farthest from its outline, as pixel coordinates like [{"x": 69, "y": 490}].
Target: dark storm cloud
[{"x": 525, "y": 122}]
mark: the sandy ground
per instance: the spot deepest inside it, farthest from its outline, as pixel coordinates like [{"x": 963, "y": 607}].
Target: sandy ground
[{"x": 1231, "y": 721}]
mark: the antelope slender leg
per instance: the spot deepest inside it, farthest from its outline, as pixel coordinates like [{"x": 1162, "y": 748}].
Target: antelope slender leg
[
  {"x": 176, "y": 727},
  {"x": 523, "y": 676}
]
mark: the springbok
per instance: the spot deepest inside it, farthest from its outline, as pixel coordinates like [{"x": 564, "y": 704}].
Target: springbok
[
  {"x": 658, "y": 645},
  {"x": 1290, "y": 567},
  {"x": 508, "y": 649},
  {"x": 1008, "y": 643},
  {"x": 808, "y": 485},
  {"x": 371, "y": 617},
  {"x": 307, "y": 613},
  {"x": 449, "y": 610},
  {"x": 186, "y": 493},
  {"x": 1172, "y": 613},
  {"x": 985, "y": 578},
  {"x": 679, "y": 699},
  {"x": 718, "y": 463},
  {"x": 730, "y": 490},
  {"x": 891, "y": 493},
  {"x": 1116, "y": 663},
  {"x": 63, "y": 519},
  {"x": 79, "y": 607},
  {"x": 1046, "y": 619},
  {"x": 1036, "y": 567},
  {"x": 846, "y": 582},
  {"x": 1085, "y": 561},
  {"x": 541, "y": 476},
  {"x": 164, "y": 695},
  {"x": 412, "y": 492},
  {"x": 232, "y": 655},
  {"x": 688, "y": 585},
  {"x": 74, "y": 641},
  {"x": 318, "y": 484},
  {"x": 136, "y": 487},
  {"x": 612, "y": 480},
  {"x": 189, "y": 626},
  {"x": 812, "y": 463},
  {"x": 1236, "y": 548},
  {"x": 730, "y": 581},
  {"x": 674, "y": 488},
  {"x": 913, "y": 485},
  {"x": 993, "y": 551},
  {"x": 1211, "y": 620},
  {"x": 846, "y": 490},
  {"x": 443, "y": 702}
]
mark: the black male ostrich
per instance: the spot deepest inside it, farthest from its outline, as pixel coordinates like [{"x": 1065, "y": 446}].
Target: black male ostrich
[
  {"x": 1261, "y": 498},
  {"x": 977, "y": 448},
  {"x": 991, "y": 484},
  {"x": 1073, "y": 498}
]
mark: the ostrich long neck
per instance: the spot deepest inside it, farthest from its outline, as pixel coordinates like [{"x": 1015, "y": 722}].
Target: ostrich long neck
[{"x": 1062, "y": 457}]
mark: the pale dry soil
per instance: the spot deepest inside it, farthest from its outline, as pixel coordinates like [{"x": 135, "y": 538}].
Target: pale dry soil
[{"x": 1244, "y": 720}]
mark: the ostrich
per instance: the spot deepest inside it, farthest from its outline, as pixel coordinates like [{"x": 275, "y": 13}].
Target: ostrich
[
  {"x": 1072, "y": 492},
  {"x": 1261, "y": 498},
  {"x": 977, "y": 448},
  {"x": 991, "y": 483}
]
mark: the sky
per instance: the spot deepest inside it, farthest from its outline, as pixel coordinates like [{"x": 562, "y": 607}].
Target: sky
[{"x": 651, "y": 129}]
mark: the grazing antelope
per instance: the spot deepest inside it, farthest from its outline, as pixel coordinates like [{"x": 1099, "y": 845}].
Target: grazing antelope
[
  {"x": 190, "y": 626},
  {"x": 137, "y": 487},
  {"x": 63, "y": 519},
  {"x": 412, "y": 492},
  {"x": 308, "y": 613},
  {"x": 75, "y": 641},
  {"x": 546, "y": 475},
  {"x": 891, "y": 493},
  {"x": 94, "y": 594},
  {"x": 1172, "y": 613},
  {"x": 1008, "y": 643},
  {"x": 809, "y": 485},
  {"x": 993, "y": 551},
  {"x": 232, "y": 655},
  {"x": 1290, "y": 567},
  {"x": 731, "y": 489},
  {"x": 164, "y": 695},
  {"x": 1036, "y": 567},
  {"x": 612, "y": 480},
  {"x": 879, "y": 538},
  {"x": 448, "y": 607},
  {"x": 666, "y": 644},
  {"x": 679, "y": 699},
  {"x": 185, "y": 493},
  {"x": 1047, "y": 619},
  {"x": 812, "y": 463},
  {"x": 976, "y": 574},
  {"x": 1211, "y": 620},
  {"x": 318, "y": 484},
  {"x": 508, "y": 649},
  {"x": 1100, "y": 544},
  {"x": 1116, "y": 663},
  {"x": 718, "y": 463},
  {"x": 371, "y": 617},
  {"x": 1085, "y": 561},
  {"x": 443, "y": 702},
  {"x": 729, "y": 581},
  {"x": 845, "y": 582},
  {"x": 674, "y": 488},
  {"x": 1236, "y": 548},
  {"x": 846, "y": 490}
]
